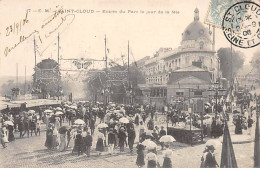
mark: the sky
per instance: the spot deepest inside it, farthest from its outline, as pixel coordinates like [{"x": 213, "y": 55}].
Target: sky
[{"x": 82, "y": 34}]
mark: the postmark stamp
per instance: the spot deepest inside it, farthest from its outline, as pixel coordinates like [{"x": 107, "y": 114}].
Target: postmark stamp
[{"x": 241, "y": 24}]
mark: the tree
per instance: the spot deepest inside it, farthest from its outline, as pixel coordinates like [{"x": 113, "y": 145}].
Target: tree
[
  {"x": 237, "y": 61},
  {"x": 256, "y": 62},
  {"x": 47, "y": 78},
  {"x": 95, "y": 84}
]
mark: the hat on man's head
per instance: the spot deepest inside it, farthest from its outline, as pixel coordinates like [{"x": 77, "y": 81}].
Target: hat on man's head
[{"x": 211, "y": 147}]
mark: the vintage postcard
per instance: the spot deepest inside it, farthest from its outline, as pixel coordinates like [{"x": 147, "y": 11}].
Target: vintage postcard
[{"x": 129, "y": 84}]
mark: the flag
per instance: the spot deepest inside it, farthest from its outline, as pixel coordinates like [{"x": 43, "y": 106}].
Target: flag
[
  {"x": 257, "y": 145},
  {"x": 228, "y": 159}
]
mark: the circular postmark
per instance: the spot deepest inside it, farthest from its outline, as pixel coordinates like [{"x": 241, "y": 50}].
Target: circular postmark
[{"x": 241, "y": 24}]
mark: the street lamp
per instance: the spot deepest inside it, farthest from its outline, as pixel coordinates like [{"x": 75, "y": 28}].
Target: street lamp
[{"x": 216, "y": 88}]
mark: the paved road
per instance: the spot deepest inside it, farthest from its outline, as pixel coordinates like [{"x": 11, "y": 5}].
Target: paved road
[{"x": 30, "y": 152}]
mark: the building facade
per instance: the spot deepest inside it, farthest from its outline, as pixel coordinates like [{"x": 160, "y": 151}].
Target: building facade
[{"x": 174, "y": 73}]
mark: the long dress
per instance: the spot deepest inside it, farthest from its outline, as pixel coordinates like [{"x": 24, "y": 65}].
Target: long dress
[
  {"x": 140, "y": 155},
  {"x": 141, "y": 131},
  {"x": 137, "y": 120},
  {"x": 100, "y": 142},
  {"x": 48, "y": 142},
  {"x": 62, "y": 142},
  {"x": 11, "y": 133},
  {"x": 122, "y": 140},
  {"x": 55, "y": 142},
  {"x": 78, "y": 146}
]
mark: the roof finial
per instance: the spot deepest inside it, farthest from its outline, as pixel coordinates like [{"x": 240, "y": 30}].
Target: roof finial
[{"x": 196, "y": 14}]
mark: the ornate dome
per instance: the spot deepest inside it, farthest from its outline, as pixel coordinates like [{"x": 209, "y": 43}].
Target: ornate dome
[{"x": 196, "y": 29}]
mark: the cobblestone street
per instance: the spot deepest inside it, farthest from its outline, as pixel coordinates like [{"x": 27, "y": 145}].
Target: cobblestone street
[{"x": 31, "y": 152}]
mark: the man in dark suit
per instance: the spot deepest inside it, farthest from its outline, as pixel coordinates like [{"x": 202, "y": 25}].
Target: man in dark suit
[
  {"x": 88, "y": 143},
  {"x": 210, "y": 161},
  {"x": 111, "y": 141},
  {"x": 131, "y": 138}
]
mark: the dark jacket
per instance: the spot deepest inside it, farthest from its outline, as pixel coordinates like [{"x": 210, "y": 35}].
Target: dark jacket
[
  {"x": 131, "y": 136},
  {"x": 88, "y": 140},
  {"x": 111, "y": 138},
  {"x": 162, "y": 133},
  {"x": 150, "y": 125},
  {"x": 210, "y": 161},
  {"x": 20, "y": 126},
  {"x": 122, "y": 138}
]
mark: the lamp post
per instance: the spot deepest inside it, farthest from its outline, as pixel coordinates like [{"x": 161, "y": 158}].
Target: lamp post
[{"x": 216, "y": 88}]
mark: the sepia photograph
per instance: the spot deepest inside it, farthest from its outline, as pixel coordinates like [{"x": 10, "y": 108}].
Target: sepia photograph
[{"x": 129, "y": 84}]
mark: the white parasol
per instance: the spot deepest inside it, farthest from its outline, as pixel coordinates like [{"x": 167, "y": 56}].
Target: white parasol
[
  {"x": 9, "y": 123},
  {"x": 73, "y": 107},
  {"x": 149, "y": 144},
  {"x": 79, "y": 122},
  {"x": 58, "y": 108},
  {"x": 31, "y": 111},
  {"x": 59, "y": 113},
  {"x": 167, "y": 138},
  {"x": 124, "y": 120},
  {"x": 102, "y": 125},
  {"x": 48, "y": 111}
]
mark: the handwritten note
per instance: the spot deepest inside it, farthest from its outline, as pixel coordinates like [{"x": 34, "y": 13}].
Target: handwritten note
[{"x": 52, "y": 25}]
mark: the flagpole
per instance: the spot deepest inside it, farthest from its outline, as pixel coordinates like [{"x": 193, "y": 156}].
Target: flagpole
[
  {"x": 25, "y": 80},
  {"x": 231, "y": 63},
  {"x": 257, "y": 140},
  {"x": 128, "y": 70},
  {"x": 106, "y": 72},
  {"x": 16, "y": 75},
  {"x": 59, "y": 48},
  {"x": 59, "y": 65},
  {"x": 35, "y": 79},
  {"x": 106, "y": 51}
]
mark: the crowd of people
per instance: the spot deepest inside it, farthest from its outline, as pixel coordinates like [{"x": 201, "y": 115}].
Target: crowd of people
[
  {"x": 116, "y": 129},
  {"x": 26, "y": 123},
  {"x": 81, "y": 126}
]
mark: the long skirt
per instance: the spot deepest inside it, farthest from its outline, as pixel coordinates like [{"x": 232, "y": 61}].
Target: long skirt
[
  {"x": 167, "y": 163},
  {"x": 54, "y": 141},
  {"x": 151, "y": 164},
  {"x": 100, "y": 145},
  {"x": 48, "y": 142},
  {"x": 140, "y": 159},
  {"x": 11, "y": 137},
  {"x": 62, "y": 142}
]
